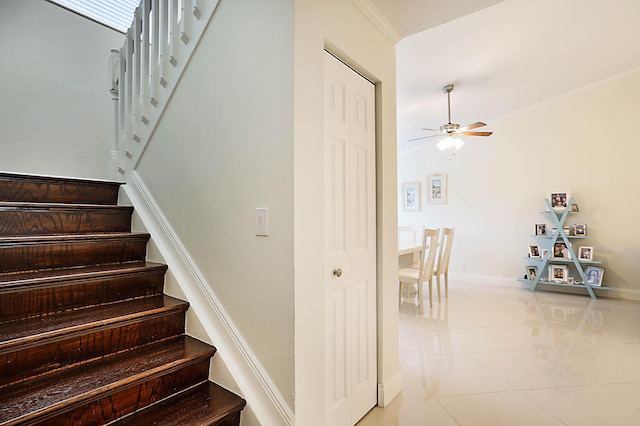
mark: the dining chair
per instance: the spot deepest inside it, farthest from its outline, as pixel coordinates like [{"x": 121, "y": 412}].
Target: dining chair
[
  {"x": 442, "y": 265},
  {"x": 423, "y": 272}
]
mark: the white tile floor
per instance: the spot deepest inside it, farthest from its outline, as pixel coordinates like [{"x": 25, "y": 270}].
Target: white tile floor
[{"x": 495, "y": 355}]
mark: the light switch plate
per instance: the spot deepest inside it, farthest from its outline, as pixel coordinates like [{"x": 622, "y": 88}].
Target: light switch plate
[{"x": 262, "y": 222}]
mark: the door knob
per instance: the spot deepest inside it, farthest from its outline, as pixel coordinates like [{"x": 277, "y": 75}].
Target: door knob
[{"x": 337, "y": 272}]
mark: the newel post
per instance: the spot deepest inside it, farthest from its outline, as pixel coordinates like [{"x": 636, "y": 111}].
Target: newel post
[{"x": 114, "y": 82}]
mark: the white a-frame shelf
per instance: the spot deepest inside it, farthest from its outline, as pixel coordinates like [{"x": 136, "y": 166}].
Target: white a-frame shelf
[{"x": 558, "y": 219}]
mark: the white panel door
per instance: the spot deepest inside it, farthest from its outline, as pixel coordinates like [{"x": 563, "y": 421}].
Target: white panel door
[{"x": 350, "y": 244}]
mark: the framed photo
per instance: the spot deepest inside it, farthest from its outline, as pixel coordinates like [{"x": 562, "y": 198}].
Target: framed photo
[
  {"x": 437, "y": 188},
  {"x": 534, "y": 250},
  {"x": 545, "y": 252},
  {"x": 574, "y": 208},
  {"x": 558, "y": 273},
  {"x": 559, "y": 200},
  {"x": 580, "y": 230},
  {"x": 411, "y": 197},
  {"x": 594, "y": 275},
  {"x": 560, "y": 251},
  {"x": 585, "y": 253},
  {"x": 541, "y": 229},
  {"x": 531, "y": 272},
  {"x": 571, "y": 280}
]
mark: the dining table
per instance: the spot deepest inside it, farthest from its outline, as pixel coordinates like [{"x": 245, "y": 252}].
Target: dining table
[{"x": 406, "y": 253}]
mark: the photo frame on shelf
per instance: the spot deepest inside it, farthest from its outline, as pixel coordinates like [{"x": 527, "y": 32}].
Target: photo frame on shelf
[
  {"x": 594, "y": 275},
  {"x": 411, "y": 197},
  {"x": 534, "y": 250},
  {"x": 580, "y": 230},
  {"x": 571, "y": 280},
  {"x": 585, "y": 253},
  {"x": 560, "y": 251},
  {"x": 558, "y": 273},
  {"x": 574, "y": 208},
  {"x": 559, "y": 200},
  {"x": 541, "y": 229},
  {"x": 531, "y": 272},
  {"x": 545, "y": 252},
  {"x": 437, "y": 188}
]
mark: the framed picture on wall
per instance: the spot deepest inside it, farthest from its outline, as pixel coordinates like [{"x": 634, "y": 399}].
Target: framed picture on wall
[
  {"x": 534, "y": 250},
  {"x": 558, "y": 273},
  {"x": 411, "y": 197},
  {"x": 585, "y": 253},
  {"x": 594, "y": 275},
  {"x": 559, "y": 200},
  {"x": 560, "y": 251},
  {"x": 580, "y": 230},
  {"x": 541, "y": 229},
  {"x": 437, "y": 188},
  {"x": 531, "y": 272}
]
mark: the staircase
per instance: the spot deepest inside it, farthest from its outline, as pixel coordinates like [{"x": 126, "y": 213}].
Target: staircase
[{"x": 86, "y": 335}]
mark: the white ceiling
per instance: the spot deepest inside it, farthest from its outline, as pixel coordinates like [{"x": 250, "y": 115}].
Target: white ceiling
[{"x": 502, "y": 56}]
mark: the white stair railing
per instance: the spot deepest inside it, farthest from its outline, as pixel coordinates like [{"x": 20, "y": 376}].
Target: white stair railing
[{"x": 146, "y": 69}]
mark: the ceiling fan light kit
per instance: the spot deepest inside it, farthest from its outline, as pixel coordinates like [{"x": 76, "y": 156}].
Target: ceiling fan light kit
[{"x": 452, "y": 131}]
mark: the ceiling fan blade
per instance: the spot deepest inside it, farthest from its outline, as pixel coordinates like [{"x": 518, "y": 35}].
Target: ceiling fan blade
[
  {"x": 476, "y": 133},
  {"x": 431, "y": 130},
  {"x": 472, "y": 126},
  {"x": 424, "y": 137}
]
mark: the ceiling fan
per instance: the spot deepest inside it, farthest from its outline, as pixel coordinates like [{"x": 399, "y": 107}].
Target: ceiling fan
[{"x": 451, "y": 131}]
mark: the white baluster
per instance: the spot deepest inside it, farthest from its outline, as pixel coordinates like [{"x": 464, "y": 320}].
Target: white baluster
[
  {"x": 129, "y": 116},
  {"x": 163, "y": 41},
  {"x": 114, "y": 77},
  {"x": 145, "y": 41},
  {"x": 185, "y": 20},
  {"x": 122, "y": 108},
  {"x": 155, "y": 53},
  {"x": 173, "y": 25},
  {"x": 137, "y": 72},
  {"x": 197, "y": 12}
]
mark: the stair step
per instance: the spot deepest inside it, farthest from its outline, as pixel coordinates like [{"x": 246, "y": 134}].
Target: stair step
[
  {"x": 32, "y": 253},
  {"x": 205, "y": 404},
  {"x": 87, "y": 336},
  {"x": 102, "y": 391},
  {"x": 55, "y": 219},
  {"x": 52, "y": 189},
  {"x": 36, "y": 346},
  {"x": 35, "y": 294}
]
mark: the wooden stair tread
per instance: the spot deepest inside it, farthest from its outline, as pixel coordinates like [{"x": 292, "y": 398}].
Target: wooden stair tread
[
  {"x": 22, "y": 219},
  {"x": 70, "y": 238},
  {"x": 87, "y": 335},
  {"x": 205, "y": 404},
  {"x": 22, "y": 187},
  {"x": 31, "y": 331},
  {"x": 14, "y": 176},
  {"x": 32, "y": 205},
  {"x": 65, "y": 389},
  {"x": 52, "y": 276}
]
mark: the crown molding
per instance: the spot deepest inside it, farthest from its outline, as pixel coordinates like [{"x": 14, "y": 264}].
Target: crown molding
[{"x": 379, "y": 20}]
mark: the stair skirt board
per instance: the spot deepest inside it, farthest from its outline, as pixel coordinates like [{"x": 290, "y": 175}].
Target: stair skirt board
[{"x": 266, "y": 402}]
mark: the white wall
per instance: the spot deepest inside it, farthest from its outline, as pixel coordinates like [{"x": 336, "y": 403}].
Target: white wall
[
  {"x": 582, "y": 142},
  {"x": 342, "y": 27},
  {"x": 55, "y": 109},
  {"x": 224, "y": 147}
]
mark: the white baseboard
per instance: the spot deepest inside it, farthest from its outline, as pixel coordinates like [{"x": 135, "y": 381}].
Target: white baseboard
[
  {"x": 614, "y": 293},
  {"x": 388, "y": 391},
  {"x": 483, "y": 279},
  {"x": 263, "y": 398}
]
